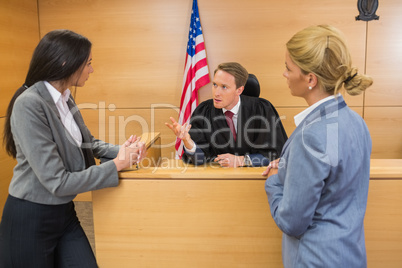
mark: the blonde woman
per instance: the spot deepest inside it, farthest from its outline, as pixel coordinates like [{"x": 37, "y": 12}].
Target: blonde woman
[{"x": 317, "y": 191}]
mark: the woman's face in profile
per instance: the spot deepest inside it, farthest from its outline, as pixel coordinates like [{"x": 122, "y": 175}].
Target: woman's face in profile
[
  {"x": 297, "y": 81},
  {"x": 82, "y": 74}
]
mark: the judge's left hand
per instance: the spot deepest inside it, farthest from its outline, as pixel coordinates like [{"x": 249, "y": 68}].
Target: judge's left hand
[{"x": 229, "y": 160}]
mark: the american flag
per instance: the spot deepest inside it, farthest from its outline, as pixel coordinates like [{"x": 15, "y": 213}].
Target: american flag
[{"x": 196, "y": 73}]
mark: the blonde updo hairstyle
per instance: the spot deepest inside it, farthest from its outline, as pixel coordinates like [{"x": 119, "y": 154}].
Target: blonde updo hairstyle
[{"x": 322, "y": 50}]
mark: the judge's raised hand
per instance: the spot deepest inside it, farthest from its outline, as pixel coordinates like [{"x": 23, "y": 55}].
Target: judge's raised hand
[
  {"x": 181, "y": 131},
  {"x": 272, "y": 168}
]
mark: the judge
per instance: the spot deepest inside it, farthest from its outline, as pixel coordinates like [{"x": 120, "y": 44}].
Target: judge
[{"x": 231, "y": 129}]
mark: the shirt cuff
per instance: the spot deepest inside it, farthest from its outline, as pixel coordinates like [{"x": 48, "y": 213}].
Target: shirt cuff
[{"x": 192, "y": 150}]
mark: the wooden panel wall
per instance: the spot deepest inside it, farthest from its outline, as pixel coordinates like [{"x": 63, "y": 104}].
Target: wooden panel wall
[
  {"x": 206, "y": 223},
  {"x": 200, "y": 219},
  {"x": 139, "y": 53},
  {"x": 19, "y": 34},
  {"x": 382, "y": 224},
  {"x": 383, "y": 105},
  {"x": 139, "y": 47}
]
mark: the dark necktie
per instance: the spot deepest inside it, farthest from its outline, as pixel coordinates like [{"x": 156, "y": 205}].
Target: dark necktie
[{"x": 229, "y": 120}]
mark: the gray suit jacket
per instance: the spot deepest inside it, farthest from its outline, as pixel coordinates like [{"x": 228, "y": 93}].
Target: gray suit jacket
[
  {"x": 51, "y": 168},
  {"x": 319, "y": 196}
]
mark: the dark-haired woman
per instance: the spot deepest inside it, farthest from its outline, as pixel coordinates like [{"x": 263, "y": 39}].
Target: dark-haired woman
[{"x": 55, "y": 153}]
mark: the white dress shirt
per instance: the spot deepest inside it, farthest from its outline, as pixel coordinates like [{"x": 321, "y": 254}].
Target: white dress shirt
[
  {"x": 300, "y": 117},
  {"x": 66, "y": 117}
]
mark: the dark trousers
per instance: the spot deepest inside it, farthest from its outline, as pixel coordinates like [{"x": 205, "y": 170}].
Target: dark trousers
[{"x": 43, "y": 236}]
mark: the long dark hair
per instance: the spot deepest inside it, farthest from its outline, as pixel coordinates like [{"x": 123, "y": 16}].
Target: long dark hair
[{"x": 59, "y": 54}]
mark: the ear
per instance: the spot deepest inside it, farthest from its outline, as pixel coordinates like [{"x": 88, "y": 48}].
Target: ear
[
  {"x": 312, "y": 80},
  {"x": 239, "y": 90}
]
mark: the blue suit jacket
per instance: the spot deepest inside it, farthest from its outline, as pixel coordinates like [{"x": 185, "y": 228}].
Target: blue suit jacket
[{"x": 319, "y": 196}]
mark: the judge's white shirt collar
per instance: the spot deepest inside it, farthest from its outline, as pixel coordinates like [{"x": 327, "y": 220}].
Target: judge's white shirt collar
[{"x": 235, "y": 109}]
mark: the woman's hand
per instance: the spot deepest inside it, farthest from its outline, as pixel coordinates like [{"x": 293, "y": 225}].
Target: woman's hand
[
  {"x": 132, "y": 151},
  {"x": 272, "y": 168}
]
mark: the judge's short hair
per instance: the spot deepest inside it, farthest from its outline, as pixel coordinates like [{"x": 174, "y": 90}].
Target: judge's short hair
[{"x": 237, "y": 70}]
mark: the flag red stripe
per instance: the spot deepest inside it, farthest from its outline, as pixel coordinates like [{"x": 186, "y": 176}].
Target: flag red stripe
[
  {"x": 202, "y": 81},
  {"x": 199, "y": 47},
  {"x": 194, "y": 96},
  {"x": 189, "y": 78},
  {"x": 196, "y": 73}
]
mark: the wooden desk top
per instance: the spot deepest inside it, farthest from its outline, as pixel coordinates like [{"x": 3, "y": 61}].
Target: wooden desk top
[
  {"x": 176, "y": 169},
  {"x": 149, "y": 137},
  {"x": 386, "y": 169}
]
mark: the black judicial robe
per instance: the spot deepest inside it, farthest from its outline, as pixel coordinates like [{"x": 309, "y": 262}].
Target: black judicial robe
[{"x": 260, "y": 132}]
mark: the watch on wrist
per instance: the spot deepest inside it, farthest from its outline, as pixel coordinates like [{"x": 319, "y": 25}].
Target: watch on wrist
[{"x": 247, "y": 161}]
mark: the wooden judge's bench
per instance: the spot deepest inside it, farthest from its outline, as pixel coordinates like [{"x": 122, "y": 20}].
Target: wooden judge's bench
[{"x": 177, "y": 215}]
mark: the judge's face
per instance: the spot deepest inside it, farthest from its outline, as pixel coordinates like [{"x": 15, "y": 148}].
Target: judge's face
[
  {"x": 297, "y": 81},
  {"x": 224, "y": 91}
]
